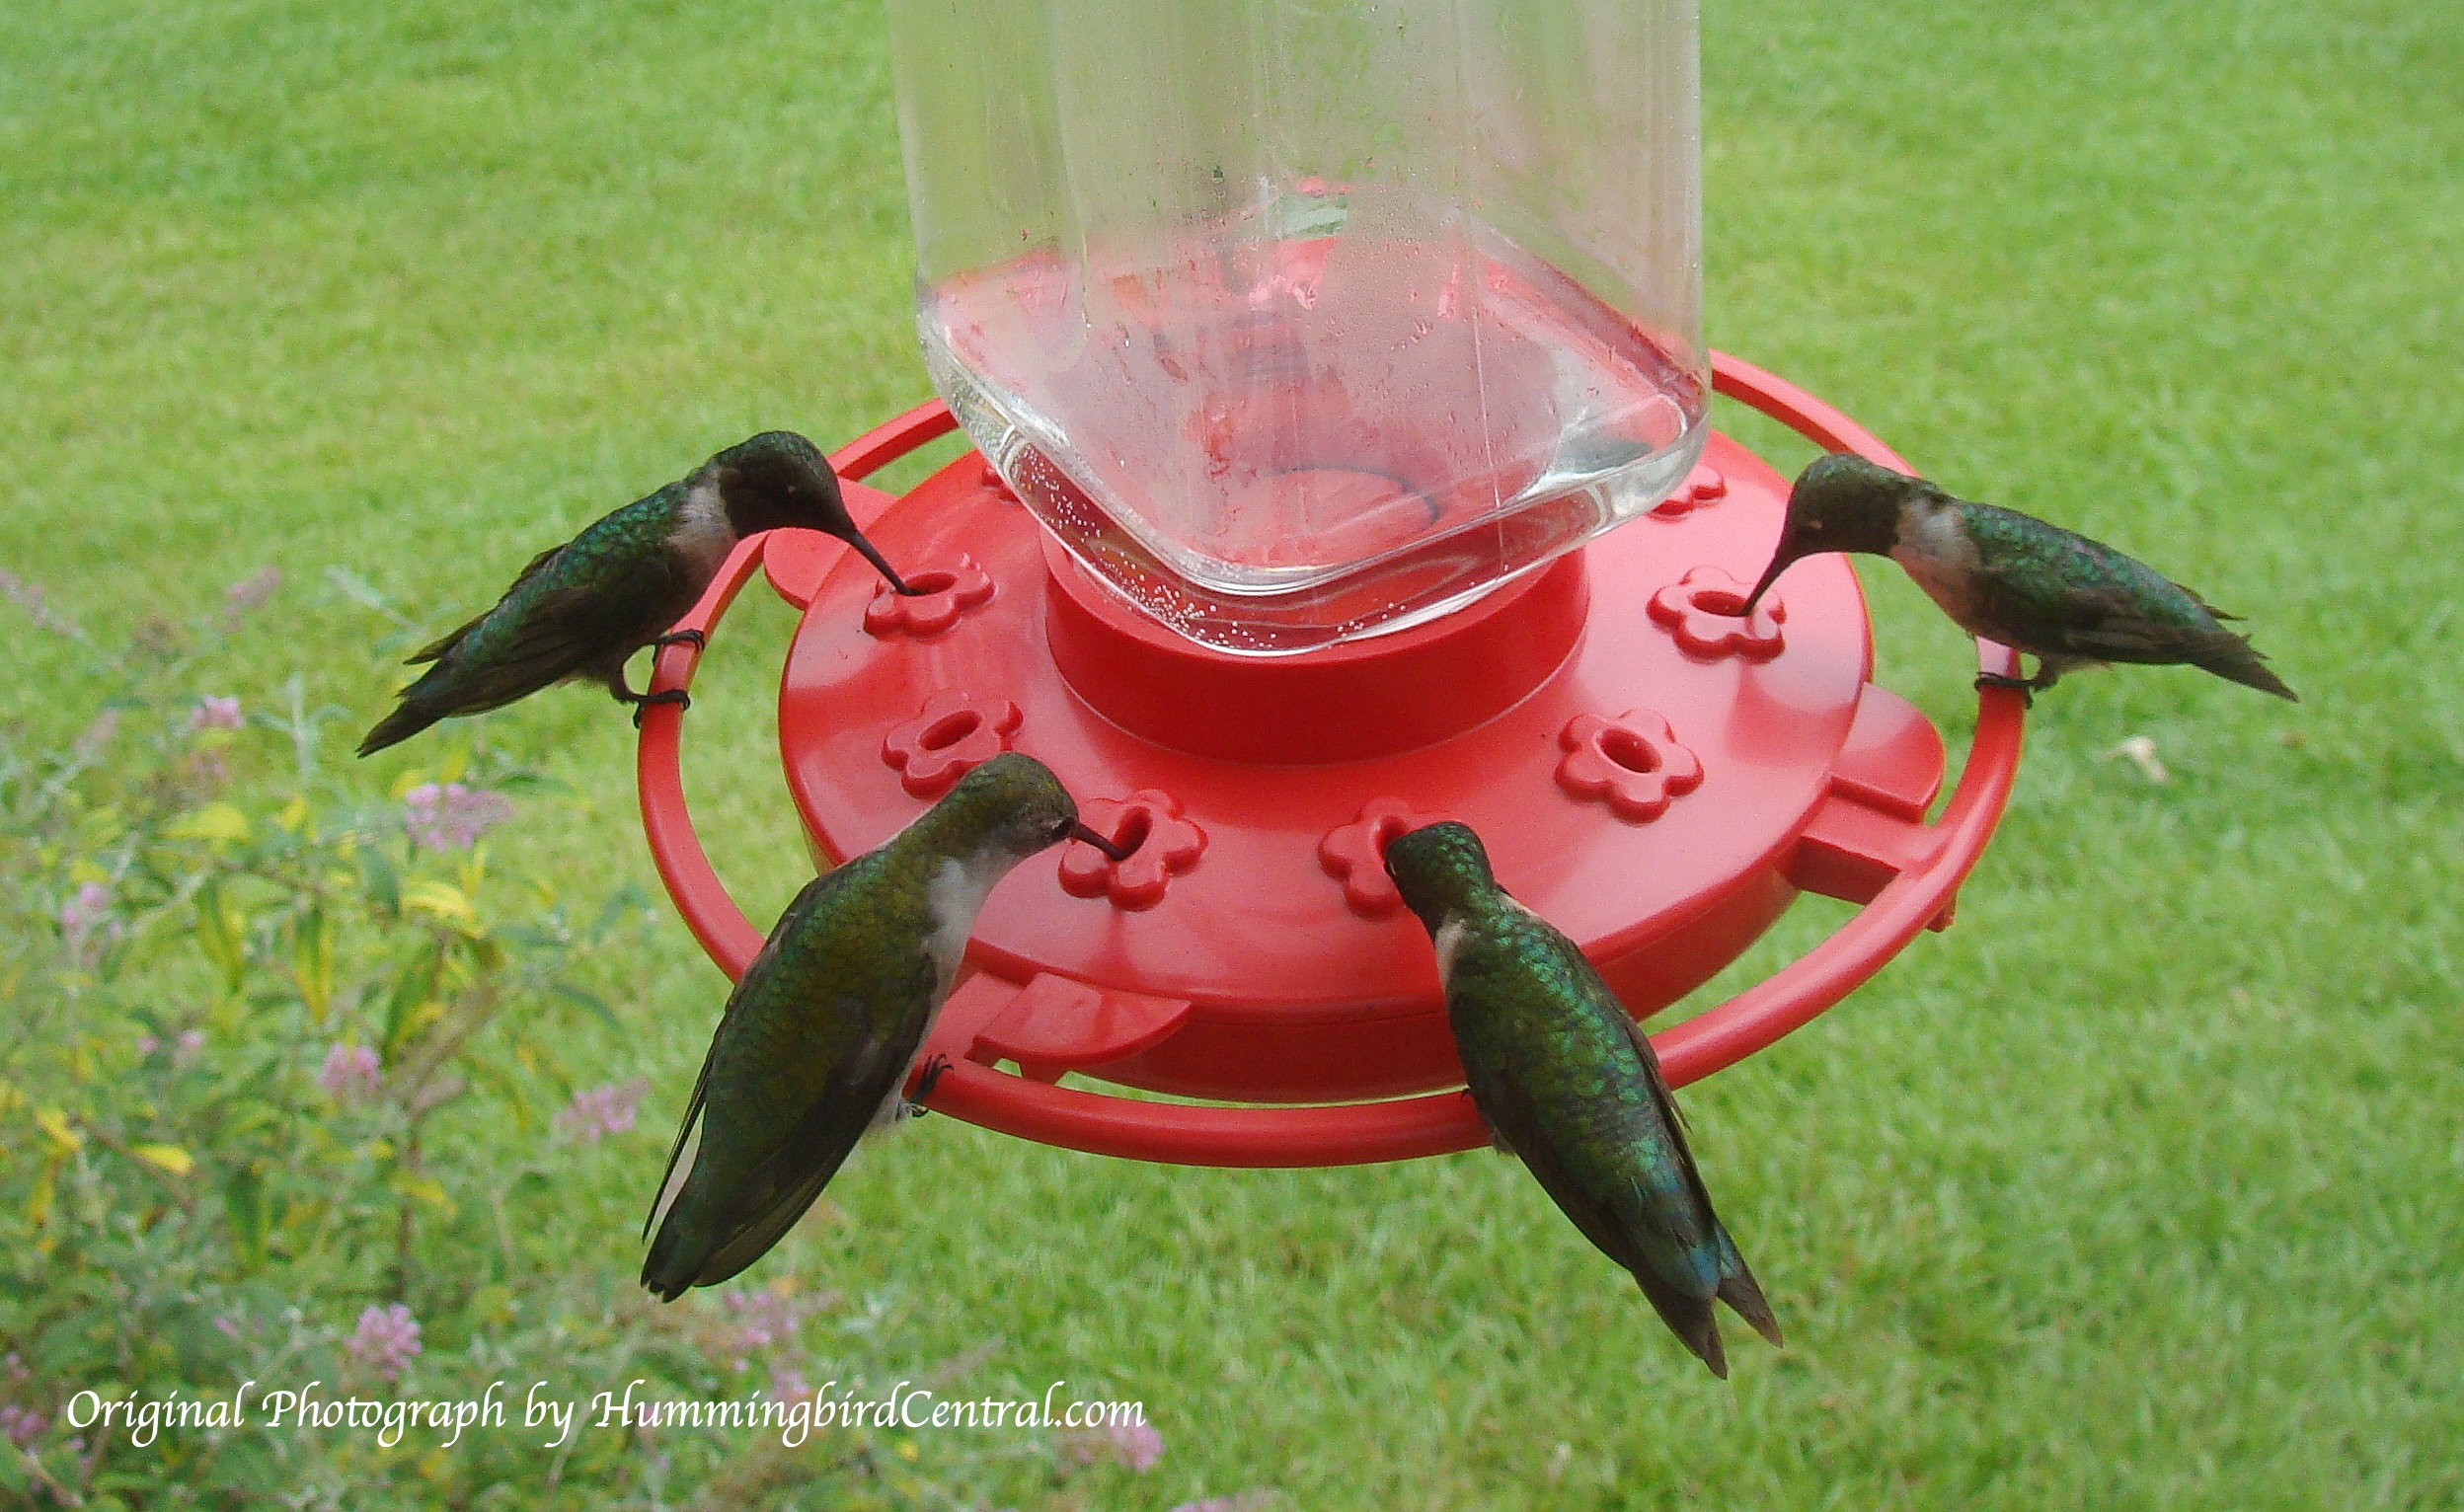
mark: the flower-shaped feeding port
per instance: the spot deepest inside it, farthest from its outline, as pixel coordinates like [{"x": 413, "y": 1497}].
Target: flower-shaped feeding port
[
  {"x": 954, "y": 733},
  {"x": 1633, "y": 763},
  {"x": 1705, "y": 485},
  {"x": 941, "y": 596},
  {"x": 1355, "y": 854},
  {"x": 1149, "y": 825},
  {"x": 1701, "y": 609}
]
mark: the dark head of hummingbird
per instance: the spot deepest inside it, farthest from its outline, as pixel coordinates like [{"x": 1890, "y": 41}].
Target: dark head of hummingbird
[
  {"x": 778, "y": 479},
  {"x": 1840, "y": 503},
  {"x": 1440, "y": 869},
  {"x": 1006, "y": 810}
]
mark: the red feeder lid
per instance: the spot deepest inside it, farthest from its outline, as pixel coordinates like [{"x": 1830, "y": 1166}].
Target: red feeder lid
[{"x": 1653, "y": 775}]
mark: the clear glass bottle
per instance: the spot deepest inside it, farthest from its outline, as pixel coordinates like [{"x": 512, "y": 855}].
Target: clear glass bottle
[{"x": 1299, "y": 321}]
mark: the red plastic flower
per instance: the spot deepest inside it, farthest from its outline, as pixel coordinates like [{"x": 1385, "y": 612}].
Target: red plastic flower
[
  {"x": 954, "y": 733},
  {"x": 1161, "y": 843},
  {"x": 1355, "y": 854},
  {"x": 1633, "y": 763},
  {"x": 1701, "y": 609},
  {"x": 942, "y": 595},
  {"x": 1705, "y": 485}
]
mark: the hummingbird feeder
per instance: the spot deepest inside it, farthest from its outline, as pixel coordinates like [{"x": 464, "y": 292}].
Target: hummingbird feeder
[{"x": 1343, "y": 463}]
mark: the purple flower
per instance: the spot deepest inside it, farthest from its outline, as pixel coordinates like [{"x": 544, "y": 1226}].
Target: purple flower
[
  {"x": 225, "y": 1327},
  {"x": 788, "y": 1385},
  {"x": 183, "y": 1049},
  {"x": 82, "y": 916},
  {"x": 1136, "y": 1446},
  {"x": 598, "y": 1111},
  {"x": 248, "y": 593},
  {"x": 452, "y": 816},
  {"x": 21, "y": 1425},
  {"x": 213, "y": 713},
  {"x": 768, "y": 1318},
  {"x": 387, "y": 1338},
  {"x": 350, "y": 1072},
  {"x": 1246, "y": 1501}
]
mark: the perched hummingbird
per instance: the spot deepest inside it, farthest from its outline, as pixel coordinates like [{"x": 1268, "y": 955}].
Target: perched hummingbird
[
  {"x": 822, "y": 1031},
  {"x": 1566, "y": 1079},
  {"x": 2066, "y": 600},
  {"x": 582, "y": 609}
]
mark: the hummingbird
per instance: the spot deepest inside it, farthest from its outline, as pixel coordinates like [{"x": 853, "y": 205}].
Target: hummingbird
[
  {"x": 582, "y": 609},
  {"x": 1568, "y": 1081},
  {"x": 2066, "y": 600},
  {"x": 822, "y": 1031}
]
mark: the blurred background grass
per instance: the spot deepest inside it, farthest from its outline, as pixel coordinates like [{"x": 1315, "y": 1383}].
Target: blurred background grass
[{"x": 2137, "y": 1188}]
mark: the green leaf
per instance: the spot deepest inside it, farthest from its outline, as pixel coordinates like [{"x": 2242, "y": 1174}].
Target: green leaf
[
  {"x": 597, "y": 1006},
  {"x": 443, "y": 902},
  {"x": 416, "y": 983},
  {"x": 380, "y": 881},
  {"x": 168, "y": 1157},
  {"x": 312, "y": 961},
  {"x": 423, "y": 1188},
  {"x": 218, "y": 932},
  {"x": 215, "y": 821}
]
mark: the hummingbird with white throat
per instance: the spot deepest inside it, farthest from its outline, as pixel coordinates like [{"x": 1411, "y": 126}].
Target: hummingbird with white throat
[
  {"x": 580, "y": 610},
  {"x": 1569, "y": 1083},
  {"x": 2012, "y": 578},
  {"x": 823, "y": 1028}
]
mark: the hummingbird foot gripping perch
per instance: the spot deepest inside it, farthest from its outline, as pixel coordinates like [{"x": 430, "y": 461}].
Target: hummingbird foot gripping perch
[
  {"x": 644, "y": 703},
  {"x": 2024, "y": 687}
]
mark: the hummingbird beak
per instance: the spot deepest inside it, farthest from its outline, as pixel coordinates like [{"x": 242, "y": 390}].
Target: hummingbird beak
[
  {"x": 1781, "y": 562},
  {"x": 897, "y": 584},
  {"x": 1104, "y": 842}
]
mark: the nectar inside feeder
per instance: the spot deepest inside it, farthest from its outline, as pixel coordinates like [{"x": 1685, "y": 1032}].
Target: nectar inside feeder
[{"x": 1343, "y": 464}]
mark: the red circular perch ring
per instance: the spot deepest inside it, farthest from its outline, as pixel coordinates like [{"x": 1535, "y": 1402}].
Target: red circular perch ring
[{"x": 1046, "y": 1023}]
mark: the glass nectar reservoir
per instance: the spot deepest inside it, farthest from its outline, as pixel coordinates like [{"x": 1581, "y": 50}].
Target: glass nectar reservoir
[{"x": 1301, "y": 321}]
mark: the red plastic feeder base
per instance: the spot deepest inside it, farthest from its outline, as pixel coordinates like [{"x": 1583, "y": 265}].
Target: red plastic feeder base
[{"x": 1654, "y": 776}]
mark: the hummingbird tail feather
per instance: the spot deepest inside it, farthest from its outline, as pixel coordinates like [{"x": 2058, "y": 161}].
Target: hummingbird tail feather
[
  {"x": 2244, "y": 664},
  {"x": 398, "y": 726},
  {"x": 1744, "y": 1295},
  {"x": 666, "y": 1270},
  {"x": 1690, "y": 1319},
  {"x": 1742, "y": 1292}
]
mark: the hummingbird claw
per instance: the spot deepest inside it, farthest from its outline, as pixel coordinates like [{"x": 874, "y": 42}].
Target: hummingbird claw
[
  {"x": 2026, "y": 688},
  {"x": 648, "y": 701},
  {"x": 692, "y": 637},
  {"x": 924, "y": 1085}
]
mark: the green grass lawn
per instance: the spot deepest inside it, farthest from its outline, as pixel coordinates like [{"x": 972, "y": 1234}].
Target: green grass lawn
[{"x": 2137, "y": 1188}]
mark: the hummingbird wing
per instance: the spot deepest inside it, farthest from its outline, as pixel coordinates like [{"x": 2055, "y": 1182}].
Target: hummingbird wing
[
  {"x": 808, "y": 1065},
  {"x": 1616, "y": 1163},
  {"x": 782, "y": 1187},
  {"x": 566, "y": 618},
  {"x": 453, "y": 638}
]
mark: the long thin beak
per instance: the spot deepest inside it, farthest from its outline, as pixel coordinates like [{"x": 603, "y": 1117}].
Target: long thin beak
[
  {"x": 897, "y": 584},
  {"x": 1103, "y": 843},
  {"x": 1780, "y": 563}
]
